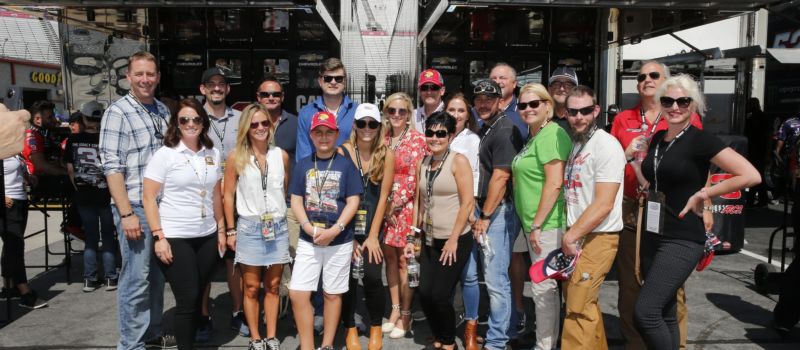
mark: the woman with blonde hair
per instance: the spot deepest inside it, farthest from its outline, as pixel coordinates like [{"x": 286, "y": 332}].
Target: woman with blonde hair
[
  {"x": 537, "y": 175},
  {"x": 409, "y": 148},
  {"x": 256, "y": 178}
]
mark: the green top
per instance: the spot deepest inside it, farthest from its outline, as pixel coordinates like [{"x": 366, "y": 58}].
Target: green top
[{"x": 528, "y": 175}]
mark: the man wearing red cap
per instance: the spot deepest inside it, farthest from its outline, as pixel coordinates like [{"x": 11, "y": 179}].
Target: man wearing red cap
[
  {"x": 431, "y": 90},
  {"x": 326, "y": 190}
]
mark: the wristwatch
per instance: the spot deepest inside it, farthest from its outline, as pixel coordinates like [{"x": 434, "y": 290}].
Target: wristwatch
[
  {"x": 535, "y": 227},
  {"x": 341, "y": 226},
  {"x": 484, "y": 216}
]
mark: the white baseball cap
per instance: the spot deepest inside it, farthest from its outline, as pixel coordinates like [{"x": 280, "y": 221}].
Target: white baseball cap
[{"x": 368, "y": 110}]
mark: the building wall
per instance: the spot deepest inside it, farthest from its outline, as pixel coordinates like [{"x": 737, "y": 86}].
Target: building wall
[{"x": 27, "y": 79}]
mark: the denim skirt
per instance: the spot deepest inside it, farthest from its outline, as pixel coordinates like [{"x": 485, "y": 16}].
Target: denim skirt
[{"x": 253, "y": 250}]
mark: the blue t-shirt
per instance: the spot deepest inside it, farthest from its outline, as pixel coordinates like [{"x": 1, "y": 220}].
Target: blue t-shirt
[{"x": 336, "y": 183}]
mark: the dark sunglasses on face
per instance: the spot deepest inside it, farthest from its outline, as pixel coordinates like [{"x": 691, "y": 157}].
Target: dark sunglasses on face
[
  {"x": 397, "y": 111},
  {"x": 328, "y": 78},
  {"x": 264, "y": 123},
  {"x": 683, "y": 102},
  {"x": 438, "y": 133},
  {"x": 583, "y": 111},
  {"x": 186, "y": 120},
  {"x": 532, "y": 104},
  {"x": 273, "y": 94},
  {"x": 430, "y": 87},
  {"x": 372, "y": 124},
  {"x": 653, "y": 75}
]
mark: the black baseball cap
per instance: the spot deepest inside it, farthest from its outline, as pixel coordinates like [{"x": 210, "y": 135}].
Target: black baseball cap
[
  {"x": 212, "y": 72},
  {"x": 487, "y": 87}
]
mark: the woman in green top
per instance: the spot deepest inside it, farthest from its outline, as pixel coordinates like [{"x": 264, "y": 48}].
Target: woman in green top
[{"x": 538, "y": 173}]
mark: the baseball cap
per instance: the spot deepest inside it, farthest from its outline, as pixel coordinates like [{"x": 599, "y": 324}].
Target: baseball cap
[
  {"x": 75, "y": 117},
  {"x": 564, "y": 72},
  {"x": 92, "y": 109},
  {"x": 368, "y": 110},
  {"x": 487, "y": 87},
  {"x": 212, "y": 72},
  {"x": 430, "y": 76},
  {"x": 556, "y": 265},
  {"x": 323, "y": 119}
]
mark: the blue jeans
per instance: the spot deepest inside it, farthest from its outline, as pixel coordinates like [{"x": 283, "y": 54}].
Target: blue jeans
[
  {"x": 140, "y": 297},
  {"x": 503, "y": 230},
  {"x": 94, "y": 230},
  {"x": 470, "y": 291}
]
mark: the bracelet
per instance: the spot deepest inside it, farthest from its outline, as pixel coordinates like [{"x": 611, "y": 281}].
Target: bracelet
[
  {"x": 314, "y": 233},
  {"x": 231, "y": 228},
  {"x": 157, "y": 230},
  {"x": 126, "y": 215},
  {"x": 703, "y": 193},
  {"x": 230, "y": 232},
  {"x": 708, "y": 208},
  {"x": 304, "y": 223}
]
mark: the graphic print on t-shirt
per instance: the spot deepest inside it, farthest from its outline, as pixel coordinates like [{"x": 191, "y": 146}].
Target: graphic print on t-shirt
[
  {"x": 322, "y": 203},
  {"x": 87, "y": 166},
  {"x": 572, "y": 177}
]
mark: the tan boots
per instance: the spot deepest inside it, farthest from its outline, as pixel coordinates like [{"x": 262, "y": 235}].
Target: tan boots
[
  {"x": 351, "y": 341},
  {"x": 375, "y": 338},
  {"x": 471, "y": 335}
]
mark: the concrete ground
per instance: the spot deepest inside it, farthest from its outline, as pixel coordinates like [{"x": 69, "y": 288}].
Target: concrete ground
[{"x": 725, "y": 311}]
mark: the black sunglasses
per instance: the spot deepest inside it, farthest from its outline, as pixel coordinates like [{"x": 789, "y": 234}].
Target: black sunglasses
[
  {"x": 265, "y": 123},
  {"x": 329, "y": 78},
  {"x": 430, "y": 87},
  {"x": 583, "y": 111},
  {"x": 438, "y": 133},
  {"x": 399, "y": 111},
  {"x": 265, "y": 94},
  {"x": 185, "y": 120},
  {"x": 532, "y": 104},
  {"x": 683, "y": 102},
  {"x": 653, "y": 75},
  {"x": 363, "y": 123}
]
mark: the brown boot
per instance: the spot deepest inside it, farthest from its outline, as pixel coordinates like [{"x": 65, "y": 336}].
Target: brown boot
[
  {"x": 375, "y": 338},
  {"x": 352, "y": 339},
  {"x": 471, "y": 335}
]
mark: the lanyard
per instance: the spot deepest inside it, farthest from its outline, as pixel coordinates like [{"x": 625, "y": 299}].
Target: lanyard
[
  {"x": 530, "y": 143},
  {"x": 652, "y": 128},
  {"x": 264, "y": 174},
  {"x": 360, "y": 169},
  {"x": 431, "y": 179},
  {"x": 221, "y": 136},
  {"x": 574, "y": 157},
  {"x": 657, "y": 159},
  {"x": 489, "y": 130},
  {"x": 316, "y": 178},
  {"x": 400, "y": 139},
  {"x": 156, "y": 126}
]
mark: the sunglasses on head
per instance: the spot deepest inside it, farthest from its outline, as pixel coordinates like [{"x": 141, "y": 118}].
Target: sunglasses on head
[
  {"x": 653, "y": 75},
  {"x": 683, "y": 102},
  {"x": 186, "y": 120},
  {"x": 397, "y": 111},
  {"x": 265, "y": 123},
  {"x": 583, "y": 111},
  {"x": 372, "y": 124},
  {"x": 438, "y": 133},
  {"x": 265, "y": 94},
  {"x": 532, "y": 104},
  {"x": 430, "y": 87},
  {"x": 330, "y": 78}
]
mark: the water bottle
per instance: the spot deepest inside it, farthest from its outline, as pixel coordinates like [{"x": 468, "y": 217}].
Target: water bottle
[
  {"x": 358, "y": 268},
  {"x": 712, "y": 241},
  {"x": 483, "y": 240},
  {"x": 413, "y": 272}
]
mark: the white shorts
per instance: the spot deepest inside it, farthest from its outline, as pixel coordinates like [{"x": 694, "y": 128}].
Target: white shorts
[
  {"x": 333, "y": 262},
  {"x": 520, "y": 246}
]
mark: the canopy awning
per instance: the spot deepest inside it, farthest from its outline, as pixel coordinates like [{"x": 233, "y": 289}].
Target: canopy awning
[
  {"x": 737, "y": 5},
  {"x": 160, "y": 3}
]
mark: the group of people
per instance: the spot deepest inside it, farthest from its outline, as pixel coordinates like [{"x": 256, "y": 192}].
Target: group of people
[{"x": 434, "y": 195}]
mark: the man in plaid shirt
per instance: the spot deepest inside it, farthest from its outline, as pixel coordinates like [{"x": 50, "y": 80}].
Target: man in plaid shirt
[{"x": 132, "y": 130}]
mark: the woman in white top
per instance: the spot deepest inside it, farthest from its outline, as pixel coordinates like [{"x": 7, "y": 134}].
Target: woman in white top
[
  {"x": 256, "y": 178},
  {"x": 187, "y": 223}
]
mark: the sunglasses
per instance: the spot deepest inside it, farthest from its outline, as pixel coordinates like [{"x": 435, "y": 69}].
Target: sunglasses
[
  {"x": 265, "y": 123},
  {"x": 683, "y": 102},
  {"x": 329, "y": 78},
  {"x": 397, "y": 111},
  {"x": 430, "y": 87},
  {"x": 532, "y": 104},
  {"x": 653, "y": 75},
  {"x": 583, "y": 111},
  {"x": 567, "y": 85},
  {"x": 363, "y": 124},
  {"x": 186, "y": 120},
  {"x": 273, "y": 94},
  {"x": 438, "y": 133}
]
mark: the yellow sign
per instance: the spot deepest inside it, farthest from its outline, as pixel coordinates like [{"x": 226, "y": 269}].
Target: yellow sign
[{"x": 46, "y": 78}]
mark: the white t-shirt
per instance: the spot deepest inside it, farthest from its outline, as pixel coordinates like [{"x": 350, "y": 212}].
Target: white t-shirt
[
  {"x": 13, "y": 180},
  {"x": 180, "y": 171},
  {"x": 466, "y": 143},
  {"x": 601, "y": 160},
  {"x": 250, "y": 194}
]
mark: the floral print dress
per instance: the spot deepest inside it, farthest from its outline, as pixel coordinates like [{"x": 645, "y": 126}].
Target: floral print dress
[{"x": 410, "y": 149}]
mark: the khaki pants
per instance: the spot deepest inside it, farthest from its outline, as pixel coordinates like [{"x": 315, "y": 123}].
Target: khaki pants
[
  {"x": 583, "y": 324},
  {"x": 629, "y": 287}
]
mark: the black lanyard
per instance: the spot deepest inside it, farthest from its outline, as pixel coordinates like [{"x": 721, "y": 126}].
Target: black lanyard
[
  {"x": 153, "y": 116},
  {"x": 571, "y": 161},
  {"x": 400, "y": 139},
  {"x": 649, "y": 135},
  {"x": 657, "y": 159},
  {"x": 431, "y": 179},
  {"x": 221, "y": 136},
  {"x": 488, "y": 131},
  {"x": 264, "y": 174},
  {"x": 316, "y": 178},
  {"x": 360, "y": 170}
]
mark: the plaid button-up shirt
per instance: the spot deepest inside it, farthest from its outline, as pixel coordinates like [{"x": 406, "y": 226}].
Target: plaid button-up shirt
[{"x": 128, "y": 140}]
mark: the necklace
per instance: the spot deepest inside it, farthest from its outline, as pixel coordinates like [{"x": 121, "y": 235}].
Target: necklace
[{"x": 202, "y": 183}]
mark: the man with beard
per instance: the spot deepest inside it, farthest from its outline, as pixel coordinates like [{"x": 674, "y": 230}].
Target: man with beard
[
  {"x": 563, "y": 79},
  {"x": 497, "y": 226},
  {"x": 593, "y": 194},
  {"x": 431, "y": 90},
  {"x": 41, "y": 150},
  {"x": 224, "y": 122}
]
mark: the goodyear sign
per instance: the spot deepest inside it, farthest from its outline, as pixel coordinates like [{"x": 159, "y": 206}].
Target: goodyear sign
[{"x": 49, "y": 78}]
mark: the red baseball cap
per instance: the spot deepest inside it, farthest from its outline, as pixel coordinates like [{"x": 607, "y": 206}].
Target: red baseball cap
[
  {"x": 323, "y": 119},
  {"x": 556, "y": 265},
  {"x": 430, "y": 76}
]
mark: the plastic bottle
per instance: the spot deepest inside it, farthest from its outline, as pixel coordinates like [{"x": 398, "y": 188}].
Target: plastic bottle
[
  {"x": 413, "y": 272},
  {"x": 357, "y": 268}
]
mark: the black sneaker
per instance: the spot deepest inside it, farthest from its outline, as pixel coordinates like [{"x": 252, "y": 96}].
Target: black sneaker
[
  {"x": 327, "y": 347},
  {"x": 91, "y": 286},
  {"x": 9, "y": 293},
  {"x": 111, "y": 284},
  {"x": 256, "y": 345},
  {"x": 272, "y": 344},
  {"x": 31, "y": 301},
  {"x": 166, "y": 341}
]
